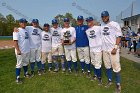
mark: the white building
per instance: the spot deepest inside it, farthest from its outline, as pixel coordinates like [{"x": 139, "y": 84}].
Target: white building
[{"x": 130, "y": 16}]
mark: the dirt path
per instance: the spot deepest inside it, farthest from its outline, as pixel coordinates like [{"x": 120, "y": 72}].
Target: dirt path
[{"x": 6, "y": 44}]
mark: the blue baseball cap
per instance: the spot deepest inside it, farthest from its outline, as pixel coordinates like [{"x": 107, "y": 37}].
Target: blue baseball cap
[
  {"x": 80, "y": 18},
  {"x": 46, "y": 25},
  {"x": 23, "y": 20},
  {"x": 89, "y": 19},
  {"x": 104, "y": 13},
  {"x": 35, "y": 21},
  {"x": 66, "y": 20},
  {"x": 54, "y": 21}
]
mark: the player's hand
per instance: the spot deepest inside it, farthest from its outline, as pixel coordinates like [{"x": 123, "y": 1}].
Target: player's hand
[
  {"x": 16, "y": 29},
  {"x": 18, "y": 52},
  {"x": 113, "y": 52}
]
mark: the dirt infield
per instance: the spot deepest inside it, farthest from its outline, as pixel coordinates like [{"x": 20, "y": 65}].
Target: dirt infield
[{"x": 6, "y": 44}]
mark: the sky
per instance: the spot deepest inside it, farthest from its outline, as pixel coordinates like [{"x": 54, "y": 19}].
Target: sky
[{"x": 46, "y": 10}]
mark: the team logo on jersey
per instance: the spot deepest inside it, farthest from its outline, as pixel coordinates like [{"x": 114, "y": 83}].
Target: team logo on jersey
[
  {"x": 26, "y": 35},
  {"x": 35, "y": 32},
  {"x": 67, "y": 34},
  {"x": 46, "y": 37},
  {"x": 55, "y": 33},
  {"x": 106, "y": 29},
  {"x": 92, "y": 34}
]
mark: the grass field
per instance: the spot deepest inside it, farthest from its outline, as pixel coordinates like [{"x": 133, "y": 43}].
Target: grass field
[{"x": 62, "y": 83}]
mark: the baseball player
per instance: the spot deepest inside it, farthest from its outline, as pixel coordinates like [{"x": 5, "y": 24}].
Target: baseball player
[
  {"x": 46, "y": 44},
  {"x": 57, "y": 48},
  {"x": 22, "y": 49},
  {"x": 82, "y": 44},
  {"x": 111, "y": 36},
  {"x": 68, "y": 37},
  {"x": 35, "y": 45},
  {"x": 95, "y": 43}
]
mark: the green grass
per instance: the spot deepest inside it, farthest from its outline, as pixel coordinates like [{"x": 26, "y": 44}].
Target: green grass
[{"x": 62, "y": 83}]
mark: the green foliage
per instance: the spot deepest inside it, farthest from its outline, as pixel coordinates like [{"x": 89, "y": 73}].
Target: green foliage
[
  {"x": 7, "y": 24},
  {"x": 67, "y": 15}
]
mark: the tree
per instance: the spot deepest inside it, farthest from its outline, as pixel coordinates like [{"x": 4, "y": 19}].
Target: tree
[
  {"x": 60, "y": 18},
  {"x": 10, "y": 24},
  {"x": 2, "y": 24},
  {"x": 67, "y": 15}
]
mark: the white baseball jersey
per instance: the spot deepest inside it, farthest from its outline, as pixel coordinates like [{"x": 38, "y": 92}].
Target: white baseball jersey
[
  {"x": 23, "y": 40},
  {"x": 56, "y": 36},
  {"x": 34, "y": 36},
  {"x": 94, "y": 37},
  {"x": 72, "y": 34},
  {"x": 110, "y": 32},
  {"x": 46, "y": 41}
]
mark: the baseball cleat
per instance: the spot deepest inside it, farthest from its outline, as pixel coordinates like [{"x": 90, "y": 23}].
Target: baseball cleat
[
  {"x": 83, "y": 72},
  {"x": 18, "y": 81},
  {"x": 94, "y": 78},
  {"x": 100, "y": 81},
  {"x": 118, "y": 89},
  {"x": 39, "y": 72},
  {"x": 50, "y": 70},
  {"x": 69, "y": 71},
  {"x": 32, "y": 74},
  {"x": 109, "y": 83},
  {"x": 27, "y": 75},
  {"x": 76, "y": 73},
  {"x": 55, "y": 70},
  {"x": 88, "y": 75},
  {"x": 43, "y": 71}
]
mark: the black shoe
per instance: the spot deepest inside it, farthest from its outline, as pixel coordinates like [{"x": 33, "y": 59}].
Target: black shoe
[
  {"x": 39, "y": 72},
  {"x": 18, "y": 81},
  {"x": 76, "y": 73},
  {"x": 50, "y": 69},
  {"x": 56, "y": 70},
  {"x": 32, "y": 73},
  {"x": 69, "y": 71},
  {"x": 100, "y": 81},
  {"x": 43, "y": 71},
  {"x": 109, "y": 83},
  {"x": 118, "y": 89},
  {"x": 83, "y": 71},
  {"x": 88, "y": 75},
  {"x": 27, "y": 75},
  {"x": 94, "y": 78}
]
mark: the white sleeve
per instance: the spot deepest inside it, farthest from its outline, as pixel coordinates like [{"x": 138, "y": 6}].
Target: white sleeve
[
  {"x": 15, "y": 36},
  {"x": 74, "y": 33},
  {"x": 61, "y": 34},
  {"x": 118, "y": 30},
  {"x": 86, "y": 32}
]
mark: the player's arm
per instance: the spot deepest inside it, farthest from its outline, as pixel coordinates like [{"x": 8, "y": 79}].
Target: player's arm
[
  {"x": 74, "y": 36},
  {"x": 61, "y": 36},
  {"x": 15, "y": 39},
  {"x": 17, "y": 47},
  {"x": 118, "y": 39}
]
